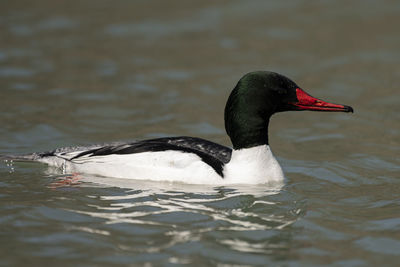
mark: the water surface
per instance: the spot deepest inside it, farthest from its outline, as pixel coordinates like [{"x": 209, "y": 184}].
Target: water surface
[{"x": 101, "y": 71}]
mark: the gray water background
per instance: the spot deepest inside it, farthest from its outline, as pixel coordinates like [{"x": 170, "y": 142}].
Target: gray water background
[{"x": 77, "y": 73}]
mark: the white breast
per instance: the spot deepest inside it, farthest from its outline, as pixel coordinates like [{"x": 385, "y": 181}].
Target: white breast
[{"x": 253, "y": 166}]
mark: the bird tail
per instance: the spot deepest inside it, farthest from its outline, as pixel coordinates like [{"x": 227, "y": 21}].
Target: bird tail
[{"x": 23, "y": 157}]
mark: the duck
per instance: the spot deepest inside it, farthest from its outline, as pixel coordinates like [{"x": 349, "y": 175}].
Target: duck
[{"x": 256, "y": 97}]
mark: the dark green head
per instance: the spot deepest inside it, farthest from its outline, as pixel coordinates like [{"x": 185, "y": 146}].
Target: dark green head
[{"x": 256, "y": 97}]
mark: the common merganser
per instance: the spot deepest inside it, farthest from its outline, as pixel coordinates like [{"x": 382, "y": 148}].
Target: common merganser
[{"x": 255, "y": 98}]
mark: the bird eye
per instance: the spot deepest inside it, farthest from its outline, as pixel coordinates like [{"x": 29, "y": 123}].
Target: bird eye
[{"x": 282, "y": 91}]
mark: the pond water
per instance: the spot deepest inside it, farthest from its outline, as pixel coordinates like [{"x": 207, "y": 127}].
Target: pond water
[{"x": 100, "y": 71}]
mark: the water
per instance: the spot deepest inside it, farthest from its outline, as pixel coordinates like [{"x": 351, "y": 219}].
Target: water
[{"x": 101, "y": 71}]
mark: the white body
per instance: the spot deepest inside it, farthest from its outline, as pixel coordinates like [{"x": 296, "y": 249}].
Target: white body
[{"x": 247, "y": 166}]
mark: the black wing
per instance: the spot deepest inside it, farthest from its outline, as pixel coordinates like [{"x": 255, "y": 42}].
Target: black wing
[{"x": 211, "y": 153}]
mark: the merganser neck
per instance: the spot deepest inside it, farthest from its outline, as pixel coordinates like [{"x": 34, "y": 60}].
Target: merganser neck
[
  {"x": 248, "y": 109},
  {"x": 252, "y": 132}
]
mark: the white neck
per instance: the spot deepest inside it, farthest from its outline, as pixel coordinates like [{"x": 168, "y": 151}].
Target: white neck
[{"x": 253, "y": 165}]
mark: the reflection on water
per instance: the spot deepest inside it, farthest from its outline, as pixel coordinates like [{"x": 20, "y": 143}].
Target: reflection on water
[
  {"x": 194, "y": 214},
  {"x": 178, "y": 219},
  {"x": 163, "y": 202}
]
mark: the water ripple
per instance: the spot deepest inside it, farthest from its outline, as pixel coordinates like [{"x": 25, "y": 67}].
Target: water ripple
[
  {"x": 148, "y": 207},
  {"x": 186, "y": 214}
]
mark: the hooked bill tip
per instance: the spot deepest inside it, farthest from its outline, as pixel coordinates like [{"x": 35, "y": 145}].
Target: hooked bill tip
[{"x": 348, "y": 109}]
